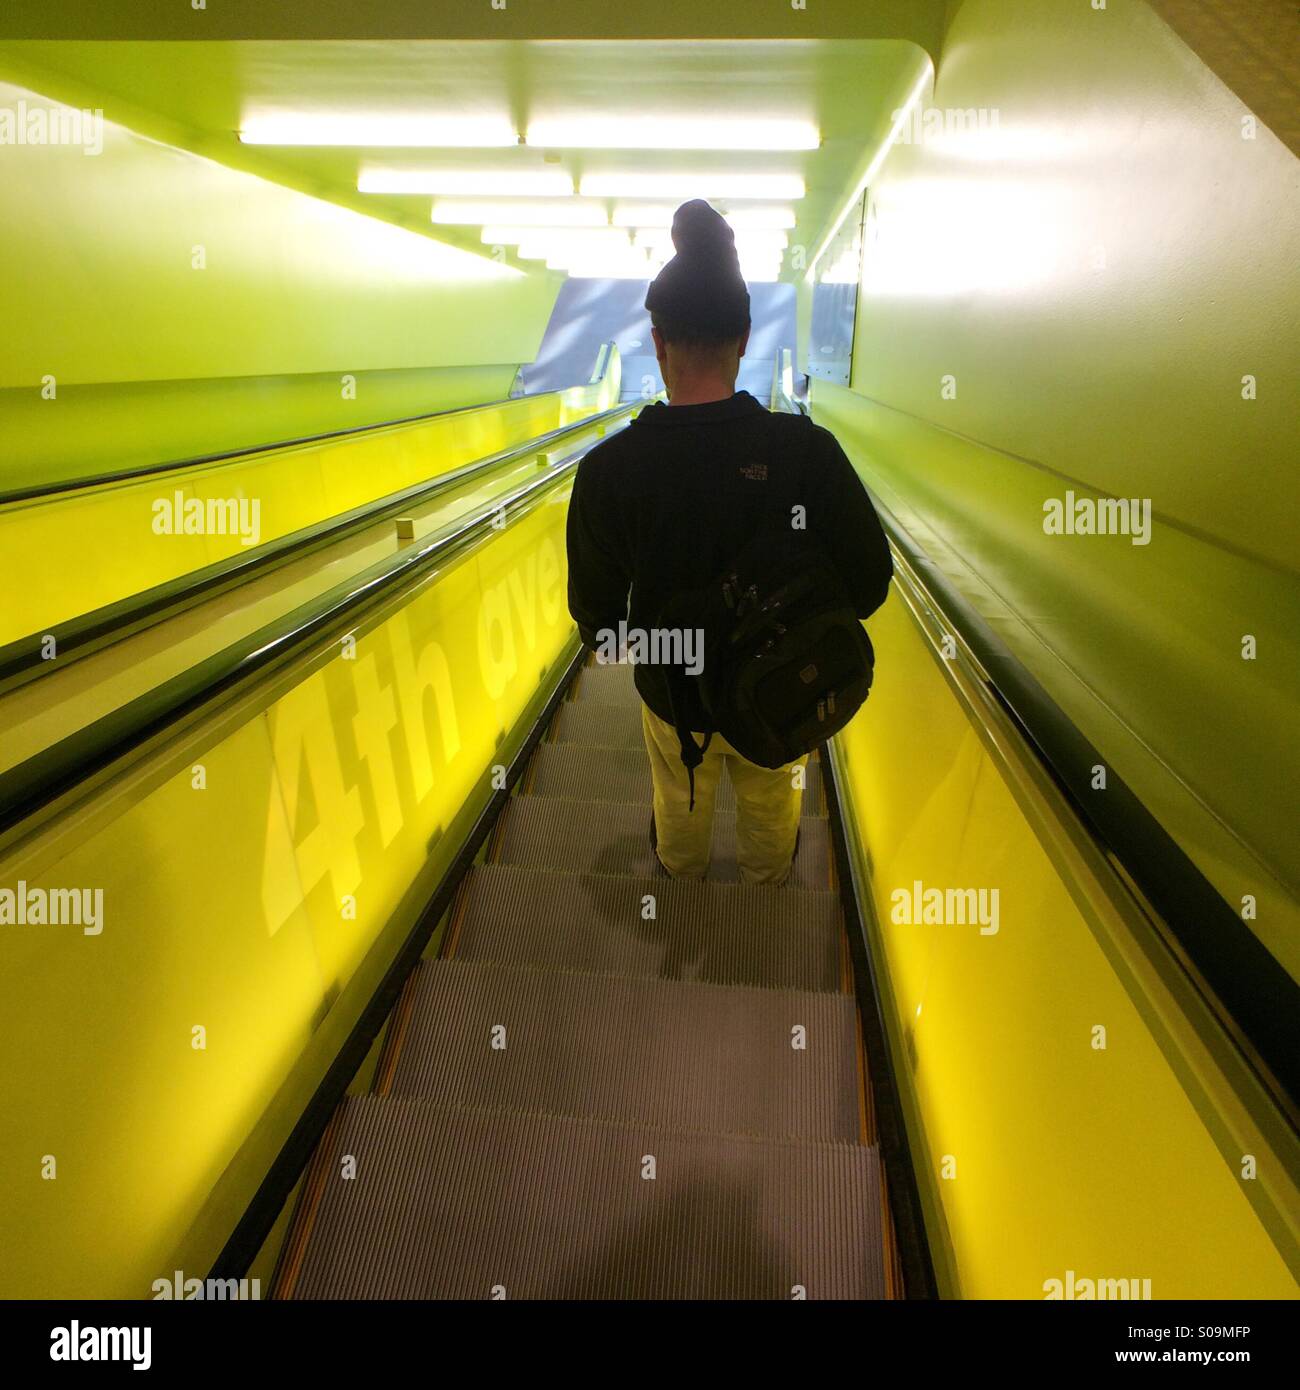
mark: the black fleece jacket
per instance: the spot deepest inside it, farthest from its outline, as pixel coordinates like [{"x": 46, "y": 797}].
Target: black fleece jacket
[{"x": 662, "y": 507}]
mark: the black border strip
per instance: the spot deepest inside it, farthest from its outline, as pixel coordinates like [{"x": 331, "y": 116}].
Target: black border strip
[
  {"x": 22, "y": 659},
  {"x": 268, "y": 1201},
  {"x": 1253, "y": 989},
  {"x": 891, "y": 1128}
]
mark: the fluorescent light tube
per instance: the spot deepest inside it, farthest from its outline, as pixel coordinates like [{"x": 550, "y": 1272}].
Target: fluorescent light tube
[
  {"x": 692, "y": 185},
  {"x": 526, "y": 212},
  {"x": 386, "y": 131},
  {"x": 661, "y": 215},
  {"x": 600, "y": 132},
  {"x": 574, "y": 240},
  {"x": 528, "y": 183}
]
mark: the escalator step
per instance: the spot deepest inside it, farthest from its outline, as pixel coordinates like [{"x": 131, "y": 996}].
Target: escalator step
[
  {"x": 610, "y": 685},
  {"x": 663, "y": 1053},
  {"x": 722, "y": 933},
  {"x": 623, "y": 774},
  {"x": 614, "y": 838},
  {"x": 598, "y": 723},
  {"x": 462, "y": 1203}
]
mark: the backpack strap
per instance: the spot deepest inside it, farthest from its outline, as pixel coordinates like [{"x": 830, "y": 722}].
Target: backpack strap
[{"x": 692, "y": 753}]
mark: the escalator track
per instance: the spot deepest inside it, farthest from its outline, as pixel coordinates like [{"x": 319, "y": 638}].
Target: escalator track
[{"x": 610, "y": 1084}]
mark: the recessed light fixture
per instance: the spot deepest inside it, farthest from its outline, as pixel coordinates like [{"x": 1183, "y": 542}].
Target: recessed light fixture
[
  {"x": 661, "y": 215},
  {"x": 526, "y": 183},
  {"x": 386, "y": 131},
  {"x": 692, "y": 185},
  {"x": 525, "y": 212},
  {"x": 600, "y": 132},
  {"x": 573, "y": 239},
  {"x": 604, "y": 250},
  {"x": 494, "y": 234},
  {"x": 761, "y": 218}
]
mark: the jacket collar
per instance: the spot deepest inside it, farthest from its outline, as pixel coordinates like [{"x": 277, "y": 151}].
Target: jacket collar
[{"x": 734, "y": 408}]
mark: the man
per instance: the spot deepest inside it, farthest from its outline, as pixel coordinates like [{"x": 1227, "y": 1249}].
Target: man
[{"x": 661, "y": 508}]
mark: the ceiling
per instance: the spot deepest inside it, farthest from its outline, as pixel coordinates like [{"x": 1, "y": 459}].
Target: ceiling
[{"x": 199, "y": 94}]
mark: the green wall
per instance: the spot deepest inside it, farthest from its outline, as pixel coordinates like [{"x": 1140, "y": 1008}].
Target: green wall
[
  {"x": 171, "y": 306},
  {"x": 1091, "y": 277},
  {"x": 109, "y": 427}
]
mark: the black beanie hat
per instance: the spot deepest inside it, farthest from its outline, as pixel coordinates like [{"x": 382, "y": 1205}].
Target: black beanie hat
[{"x": 701, "y": 291}]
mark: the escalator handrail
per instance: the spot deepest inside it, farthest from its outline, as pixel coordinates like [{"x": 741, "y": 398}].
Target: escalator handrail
[
  {"x": 33, "y": 785},
  {"x": 1253, "y": 995},
  {"x": 883, "y": 1070},
  {"x": 782, "y": 396},
  {"x": 1257, "y": 997},
  {"x": 30, "y": 494},
  {"x": 23, "y": 659}
]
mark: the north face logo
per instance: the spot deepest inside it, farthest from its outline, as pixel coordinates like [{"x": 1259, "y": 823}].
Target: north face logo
[{"x": 756, "y": 472}]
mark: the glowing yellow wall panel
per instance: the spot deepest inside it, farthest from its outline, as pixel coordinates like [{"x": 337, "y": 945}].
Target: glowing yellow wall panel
[
  {"x": 69, "y": 553},
  {"x": 1037, "y": 1151},
  {"x": 263, "y": 908}
]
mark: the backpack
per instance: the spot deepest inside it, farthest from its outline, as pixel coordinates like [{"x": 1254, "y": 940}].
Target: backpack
[{"x": 787, "y": 663}]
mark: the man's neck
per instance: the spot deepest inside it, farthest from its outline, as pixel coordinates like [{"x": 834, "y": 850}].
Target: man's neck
[{"x": 702, "y": 392}]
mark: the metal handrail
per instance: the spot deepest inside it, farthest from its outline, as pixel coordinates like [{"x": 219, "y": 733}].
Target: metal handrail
[
  {"x": 783, "y": 396},
  {"x": 36, "y": 784},
  {"x": 23, "y": 659},
  {"x": 29, "y": 494}
]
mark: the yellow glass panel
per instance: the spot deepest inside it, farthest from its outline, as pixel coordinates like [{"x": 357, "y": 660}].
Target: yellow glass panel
[
  {"x": 1050, "y": 1131},
  {"x": 260, "y": 901},
  {"x": 75, "y": 552}
]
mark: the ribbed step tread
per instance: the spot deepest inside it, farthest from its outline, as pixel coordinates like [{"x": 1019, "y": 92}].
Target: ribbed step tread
[
  {"x": 667, "y": 1054},
  {"x": 614, "y": 838},
  {"x": 623, "y": 774},
  {"x": 459, "y": 1203},
  {"x": 614, "y": 685},
  {"x": 599, "y": 724},
  {"x": 720, "y": 933}
]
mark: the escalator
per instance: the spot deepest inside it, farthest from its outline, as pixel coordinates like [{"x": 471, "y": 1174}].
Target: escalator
[
  {"x": 610, "y": 1084},
  {"x": 388, "y": 998}
]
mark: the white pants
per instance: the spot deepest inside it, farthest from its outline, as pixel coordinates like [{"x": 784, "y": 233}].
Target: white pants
[{"x": 767, "y": 806}]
